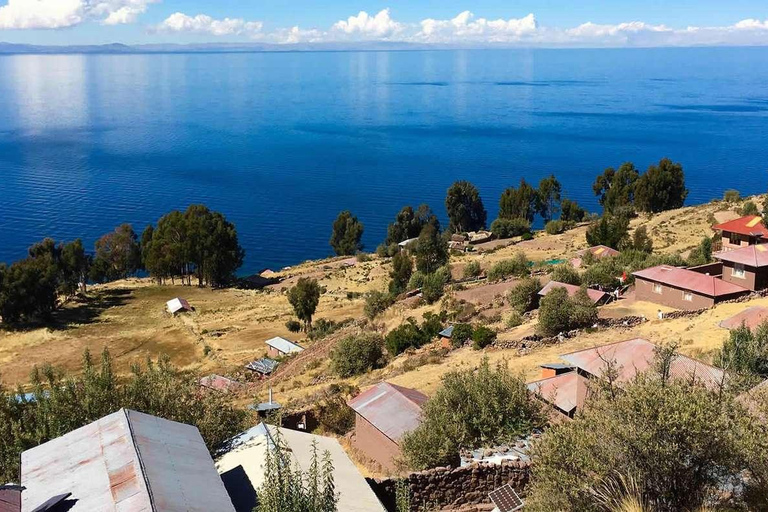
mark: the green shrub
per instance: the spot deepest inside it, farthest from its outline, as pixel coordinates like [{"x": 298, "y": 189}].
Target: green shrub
[
  {"x": 554, "y": 227},
  {"x": 514, "y": 319},
  {"x": 362, "y": 257},
  {"x": 433, "y": 323},
  {"x": 416, "y": 281},
  {"x": 560, "y": 313},
  {"x": 404, "y": 337},
  {"x": 323, "y": 328},
  {"x": 461, "y": 334},
  {"x": 731, "y": 196},
  {"x": 335, "y": 416},
  {"x": 524, "y": 296},
  {"x": 565, "y": 273},
  {"x": 293, "y": 325},
  {"x": 482, "y": 337},
  {"x": 433, "y": 287},
  {"x": 749, "y": 208},
  {"x": 526, "y": 236},
  {"x": 472, "y": 269},
  {"x": 508, "y": 228},
  {"x": 355, "y": 355},
  {"x": 376, "y": 303},
  {"x": 517, "y": 267}
]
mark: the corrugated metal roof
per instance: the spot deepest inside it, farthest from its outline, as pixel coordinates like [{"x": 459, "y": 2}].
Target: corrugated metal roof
[
  {"x": 248, "y": 451},
  {"x": 394, "y": 410},
  {"x": 751, "y": 255},
  {"x": 178, "y": 304},
  {"x": 750, "y": 225},
  {"x": 637, "y": 356},
  {"x": 566, "y": 391},
  {"x": 283, "y": 345},
  {"x": 689, "y": 280},
  {"x": 602, "y": 251},
  {"x": 751, "y": 317},
  {"x": 220, "y": 383},
  {"x": 447, "y": 332},
  {"x": 595, "y": 295},
  {"x": 126, "y": 462},
  {"x": 265, "y": 366}
]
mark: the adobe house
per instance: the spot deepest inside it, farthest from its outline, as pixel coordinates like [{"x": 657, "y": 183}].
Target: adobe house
[
  {"x": 741, "y": 232},
  {"x": 279, "y": 346},
  {"x": 747, "y": 266},
  {"x": 383, "y": 414},
  {"x": 681, "y": 288}
]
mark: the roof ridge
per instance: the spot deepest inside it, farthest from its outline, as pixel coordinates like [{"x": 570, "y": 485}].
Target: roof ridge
[{"x": 139, "y": 459}]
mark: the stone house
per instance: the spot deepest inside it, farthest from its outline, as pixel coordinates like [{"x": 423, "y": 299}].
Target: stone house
[{"x": 747, "y": 266}]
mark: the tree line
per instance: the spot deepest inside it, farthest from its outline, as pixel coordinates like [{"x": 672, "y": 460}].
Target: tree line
[{"x": 197, "y": 243}]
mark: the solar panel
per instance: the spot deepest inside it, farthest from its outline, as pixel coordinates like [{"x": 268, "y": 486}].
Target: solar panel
[{"x": 506, "y": 499}]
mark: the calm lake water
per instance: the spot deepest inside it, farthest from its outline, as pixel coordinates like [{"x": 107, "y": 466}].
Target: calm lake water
[{"x": 281, "y": 142}]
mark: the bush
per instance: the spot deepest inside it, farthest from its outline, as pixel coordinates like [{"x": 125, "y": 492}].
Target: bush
[
  {"x": 482, "y": 337},
  {"x": 731, "y": 196},
  {"x": 508, "y": 228},
  {"x": 376, "y": 303},
  {"x": 560, "y": 313},
  {"x": 293, "y": 325},
  {"x": 524, "y": 296},
  {"x": 461, "y": 334},
  {"x": 433, "y": 323},
  {"x": 355, "y": 355},
  {"x": 323, "y": 328},
  {"x": 641, "y": 241},
  {"x": 416, "y": 281},
  {"x": 749, "y": 208},
  {"x": 402, "y": 270},
  {"x": 363, "y": 257},
  {"x": 701, "y": 254},
  {"x": 517, "y": 267},
  {"x": 335, "y": 416},
  {"x": 404, "y": 337},
  {"x": 472, "y": 269},
  {"x": 472, "y": 408},
  {"x": 566, "y": 274},
  {"x": 610, "y": 230},
  {"x": 570, "y": 211},
  {"x": 433, "y": 287},
  {"x": 526, "y": 236},
  {"x": 514, "y": 319},
  {"x": 554, "y": 227}
]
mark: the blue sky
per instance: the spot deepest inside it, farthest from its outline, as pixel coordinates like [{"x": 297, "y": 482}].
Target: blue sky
[{"x": 447, "y": 22}]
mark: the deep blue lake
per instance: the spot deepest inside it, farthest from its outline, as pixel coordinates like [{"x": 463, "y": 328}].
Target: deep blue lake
[{"x": 281, "y": 142}]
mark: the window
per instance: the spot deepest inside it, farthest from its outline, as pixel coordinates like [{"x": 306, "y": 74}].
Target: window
[
  {"x": 734, "y": 238},
  {"x": 657, "y": 288},
  {"x": 688, "y": 296},
  {"x": 738, "y": 271}
]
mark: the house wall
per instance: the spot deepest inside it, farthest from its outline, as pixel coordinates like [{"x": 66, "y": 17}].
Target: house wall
[
  {"x": 273, "y": 352},
  {"x": 738, "y": 242},
  {"x": 754, "y": 278},
  {"x": 375, "y": 445},
  {"x": 670, "y": 296}
]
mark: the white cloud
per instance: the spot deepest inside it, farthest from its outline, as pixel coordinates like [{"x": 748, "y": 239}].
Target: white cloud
[
  {"x": 295, "y": 35},
  {"x": 204, "y": 24},
  {"x": 51, "y": 14},
  {"x": 463, "y": 28},
  {"x": 751, "y": 24},
  {"x": 379, "y": 27}
]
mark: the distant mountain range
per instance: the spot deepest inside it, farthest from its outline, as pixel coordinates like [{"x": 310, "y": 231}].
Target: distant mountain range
[{"x": 117, "y": 48}]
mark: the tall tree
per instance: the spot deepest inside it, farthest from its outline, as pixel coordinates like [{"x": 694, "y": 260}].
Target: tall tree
[
  {"x": 409, "y": 223},
  {"x": 570, "y": 211},
  {"x": 118, "y": 254},
  {"x": 402, "y": 269},
  {"x": 304, "y": 297},
  {"x": 75, "y": 264},
  {"x": 616, "y": 189},
  {"x": 548, "y": 198},
  {"x": 431, "y": 250},
  {"x": 610, "y": 230},
  {"x": 465, "y": 208},
  {"x": 347, "y": 234},
  {"x": 518, "y": 203},
  {"x": 662, "y": 187}
]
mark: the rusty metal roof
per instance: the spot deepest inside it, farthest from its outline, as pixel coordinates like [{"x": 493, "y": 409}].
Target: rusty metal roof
[
  {"x": 750, "y": 317},
  {"x": 601, "y": 251},
  {"x": 595, "y": 295},
  {"x": 689, "y": 280},
  {"x": 636, "y": 356},
  {"x": 393, "y": 410},
  {"x": 751, "y": 255},
  {"x": 750, "y": 225},
  {"x": 566, "y": 391},
  {"x": 220, "y": 383},
  {"x": 126, "y": 462}
]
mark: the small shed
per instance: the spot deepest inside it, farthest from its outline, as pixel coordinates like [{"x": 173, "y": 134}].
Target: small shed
[
  {"x": 264, "y": 366},
  {"x": 279, "y": 346},
  {"x": 445, "y": 336},
  {"x": 178, "y": 305},
  {"x": 220, "y": 383},
  {"x": 406, "y": 244}
]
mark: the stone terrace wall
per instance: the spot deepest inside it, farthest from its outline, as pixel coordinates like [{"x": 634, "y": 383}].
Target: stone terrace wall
[{"x": 456, "y": 488}]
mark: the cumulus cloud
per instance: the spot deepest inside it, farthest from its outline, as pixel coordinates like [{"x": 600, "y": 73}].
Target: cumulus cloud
[
  {"x": 380, "y": 26},
  {"x": 51, "y": 14},
  {"x": 464, "y": 28},
  {"x": 204, "y": 24},
  {"x": 752, "y": 24}
]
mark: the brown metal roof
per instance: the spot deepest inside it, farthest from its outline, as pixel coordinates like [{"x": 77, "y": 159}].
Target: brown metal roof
[
  {"x": 751, "y": 255},
  {"x": 602, "y": 251},
  {"x": 637, "y": 356},
  {"x": 127, "y": 462},
  {"x": 566, "y": 391},
  {"x": 220, "y": 383},
  {"x": 750, "y": 225},
  {"x": 595, "y": 295},
  {"x": 689, "y": 280},
  {"x": 393, "y": 410},
  {"x": 750, "y": 317}
]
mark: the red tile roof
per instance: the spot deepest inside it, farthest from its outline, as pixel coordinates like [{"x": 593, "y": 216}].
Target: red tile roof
[
  {"x": 751, "y": 225},
  {"x": 689, "y": 280},
  {"x": 751, "y": 317},
  {"x": 566, "y": 391},
  {"x": 637, "y": 356},
  {"x": 393, "y": 410},
  {"x": 595, "y": 295},
  {"x": 751, "y": 255}
]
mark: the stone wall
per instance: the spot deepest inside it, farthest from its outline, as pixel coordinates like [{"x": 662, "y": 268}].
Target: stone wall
[{"x": 456, "y": 488}]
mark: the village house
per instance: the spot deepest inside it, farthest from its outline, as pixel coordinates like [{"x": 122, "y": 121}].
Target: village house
[
  {"x": 279, "y": 346},
  {"x": 242, "y": 467},
  {"x": 445, "y": 336},
  {"x": 220, "y": 383},
  {"x": 747, "y": 266},
  {"x": 383, "y": 414},
  {"x": 178, "y": 305},
  {"x": 741, "y": 232},
  {"x": 682, "y": 288},
  {"x": 125, "y": 461},
  {"x": 596, "y": 296},
  {"x": 751, "y": 318},
  {"x": 566, "y": 386}
]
